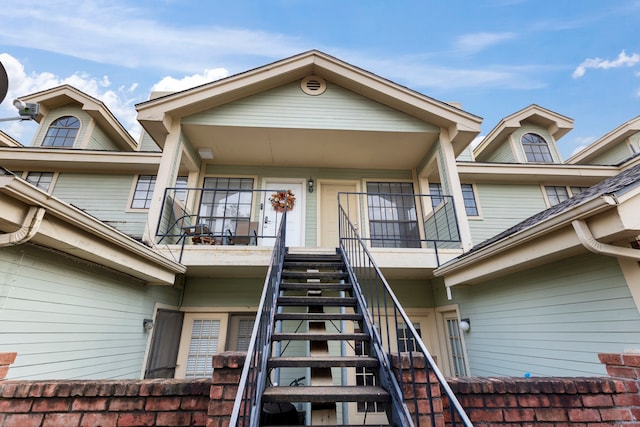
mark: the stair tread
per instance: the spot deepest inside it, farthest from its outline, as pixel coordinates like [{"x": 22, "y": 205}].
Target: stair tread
[
  {"x": 313, "y": 300},
  {"x": 337, "y": 263},
  {"x": 323, "y": 361},
  {"x": 316, "y": 285},
  {"x": 318, "y": 316},
  {"x": 320, "y": 336},
  {"x": 325, "y": 394},
  {"x": 312, "y": 257}
]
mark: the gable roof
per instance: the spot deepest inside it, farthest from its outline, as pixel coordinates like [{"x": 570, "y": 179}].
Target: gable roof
[
  {"x": 557, "y": 125},
  {"x": 608, "y": 141},
  {"x": 65, "y": 95},
  {"x": 159, "y": 115}
]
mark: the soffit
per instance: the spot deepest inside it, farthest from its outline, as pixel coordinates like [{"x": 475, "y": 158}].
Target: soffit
[{"x": 311, "y": 147}]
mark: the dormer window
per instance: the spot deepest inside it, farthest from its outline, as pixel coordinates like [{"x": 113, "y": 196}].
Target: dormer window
[
  {"x": 536, "y": 148},
  {"x": 62, "y": 132}
]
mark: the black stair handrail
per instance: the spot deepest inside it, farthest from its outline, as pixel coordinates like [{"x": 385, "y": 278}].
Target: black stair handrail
[
  {"x": 248, "y": 403},
  {"x": 382, "y": 311}
]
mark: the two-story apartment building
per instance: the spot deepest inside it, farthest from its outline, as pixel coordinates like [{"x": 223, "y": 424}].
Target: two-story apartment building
[{"x": 104, "y": 236}]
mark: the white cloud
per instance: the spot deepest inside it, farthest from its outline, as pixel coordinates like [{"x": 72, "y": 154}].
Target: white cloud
[
  {"x": 126, "y": 35},
  {"x": 120, "y": 100},
  {"x": 623, "y": 60},
  {"x": 582, "y": 143},
  {"x": 171, "y": 84},
  {"x": 477, "y": 42}
]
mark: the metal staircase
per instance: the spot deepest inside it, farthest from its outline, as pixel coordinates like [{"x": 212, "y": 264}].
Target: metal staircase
[
  {"x": 317, "y": 296},
  {"x": 332, "y": 317}
]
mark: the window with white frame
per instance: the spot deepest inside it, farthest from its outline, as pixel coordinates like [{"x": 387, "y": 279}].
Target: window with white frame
[
  {"x": 468, "y": 195},
  {"x": 206, "y": 334},
  {"x": 41, "y": 180},
  {"x": 62, "y": 132},
  {"x": 556, "y": 194},
  {"x": 536, "y": 148},
  {"x": 225, "y": 202},
  {"x": 143, "y": 193},
  {"x": 455, "y": 346},
  {"x": 393, "y": 221}
]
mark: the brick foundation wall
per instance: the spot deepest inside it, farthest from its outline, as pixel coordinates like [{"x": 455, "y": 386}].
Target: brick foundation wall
[
  {"x": 489, "y": 402},
  {"x": 116, "y": 403}
]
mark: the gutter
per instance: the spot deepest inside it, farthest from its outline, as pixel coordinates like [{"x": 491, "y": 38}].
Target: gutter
[
  {"x": 591, "y": 244},
  {"x": 582, "y": 211},
  {"x": 26, "y": 193},
  {"x": 30, "y": 226}
]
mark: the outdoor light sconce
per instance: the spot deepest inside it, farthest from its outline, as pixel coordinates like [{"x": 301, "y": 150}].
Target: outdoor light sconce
[
  {"x": 147, "y": 324},
  {"x": 465, "y": 325},
  {"x": 310, "y": 185}
]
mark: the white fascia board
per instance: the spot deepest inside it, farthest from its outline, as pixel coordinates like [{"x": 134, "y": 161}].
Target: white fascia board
[
  {"x": 481, "y": 263},
  {"x": 82, "y": 228},
  {"x": 72, "y": 160},
  {"x": 532, "y": 172}
]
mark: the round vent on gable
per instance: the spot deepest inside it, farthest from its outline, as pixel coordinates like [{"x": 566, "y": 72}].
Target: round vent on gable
[{"x": 313, "y": 85}]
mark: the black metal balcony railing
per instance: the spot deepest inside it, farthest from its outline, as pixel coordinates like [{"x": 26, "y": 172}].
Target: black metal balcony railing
[
  {"x": 218, "y": 216},
  {"x": 393, "y": 335},
  {"x": 227, "y": 216},
  {"x": 403, "y": 220}
]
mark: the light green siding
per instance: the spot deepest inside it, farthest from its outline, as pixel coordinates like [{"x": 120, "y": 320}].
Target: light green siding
[
  {"x": 69, "y": 319},
  {"x": 503, "y": 154},
  {"x": 148, "y": 144},
  {"x": 288, "y": 107},
  {"x": 504, "y": 206},
  {"x": 614, "y": 155},
  {"x": 104, "y": 196},
  {"x": 549, "y": 321},
  {"x": 466, "y": 155},
  {"x": 98, "y": 140},
  {"x": 222, "y": 292}
]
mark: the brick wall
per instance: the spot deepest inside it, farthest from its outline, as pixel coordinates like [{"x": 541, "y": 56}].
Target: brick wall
[
  {"x": 489, "y": 402},
  {"x": 116, "y": 403}
]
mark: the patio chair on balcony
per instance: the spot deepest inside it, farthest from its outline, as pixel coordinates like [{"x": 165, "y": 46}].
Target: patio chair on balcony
[
  {"x": 200, "y": 235},
  {"x": 246, "y": 234}
]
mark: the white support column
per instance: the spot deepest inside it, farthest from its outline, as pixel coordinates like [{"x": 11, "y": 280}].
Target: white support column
[
  {"x": 167, "y": 172},
  {"x": 451, "y": 185}
]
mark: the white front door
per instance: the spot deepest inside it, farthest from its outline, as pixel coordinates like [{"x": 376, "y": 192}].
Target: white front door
[{"x": 271, "y": 218}]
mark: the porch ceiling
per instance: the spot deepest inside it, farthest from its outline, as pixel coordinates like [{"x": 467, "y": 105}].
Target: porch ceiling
[{"x": 327, "y": 148}]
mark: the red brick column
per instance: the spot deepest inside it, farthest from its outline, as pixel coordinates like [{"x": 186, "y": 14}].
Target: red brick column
[
  {"x": 6, "y": 359},
  {"x": 227, "y": 370},
  {"x": 418, "y": 401}
]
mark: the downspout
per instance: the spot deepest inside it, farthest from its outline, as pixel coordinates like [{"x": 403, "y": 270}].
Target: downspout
[
  {"x": 589, "y": 242},
  {"x": 30, "y": 226}
]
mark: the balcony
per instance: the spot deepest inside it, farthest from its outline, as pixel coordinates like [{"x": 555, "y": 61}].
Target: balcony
[{"x": 208, "y": 228}]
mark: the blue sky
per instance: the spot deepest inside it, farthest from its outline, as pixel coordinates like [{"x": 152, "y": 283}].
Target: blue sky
[{"x": 578, "y": 58}]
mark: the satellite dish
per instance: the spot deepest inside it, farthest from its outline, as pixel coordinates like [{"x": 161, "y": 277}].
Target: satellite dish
[{"x": 4, "y": 83}]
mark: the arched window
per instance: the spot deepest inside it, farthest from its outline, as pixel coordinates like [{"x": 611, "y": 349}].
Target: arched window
[
  {"x": 62, "y": 132},
  {"x": 536, "y": 148}
]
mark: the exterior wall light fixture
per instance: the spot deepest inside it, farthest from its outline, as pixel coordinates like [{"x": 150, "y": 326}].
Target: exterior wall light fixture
[
  {"x": 310, "y": 185},
  {"x": 465, "y": 325},
  {"x": 147, "y": 324}
]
